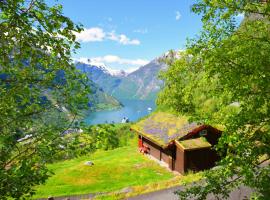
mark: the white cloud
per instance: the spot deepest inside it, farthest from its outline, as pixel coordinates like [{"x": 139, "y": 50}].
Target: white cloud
[
  {"x": 109, "y": 59},
  {"x": 88, "y": 61},
  {"x": 114, "y": 63},
  {"x": 122, "y": 39},
  {"x": 142, "y": 31},
  {"x": 96, "y": 34},
  {"x": 125, "y": 40},
  {"x": 177, "y": 15}
]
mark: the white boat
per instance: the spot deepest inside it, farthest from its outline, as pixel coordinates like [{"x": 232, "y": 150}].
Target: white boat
[{"x": 125, "y": 120}]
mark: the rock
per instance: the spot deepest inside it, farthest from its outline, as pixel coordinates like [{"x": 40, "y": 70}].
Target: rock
[{"x": 89, "y": 163}]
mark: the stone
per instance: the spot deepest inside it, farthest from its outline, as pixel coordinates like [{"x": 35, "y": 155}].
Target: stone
[{"x": 89, "y": 163}]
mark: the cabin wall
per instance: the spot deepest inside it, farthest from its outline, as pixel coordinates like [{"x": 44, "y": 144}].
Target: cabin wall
[
  {"x": 165, "y": 155},
  {"x": 194, "y": 160},
  {"x": 154, "y": 150},
  {"x": 200, "y": 159},
  {"x": 179, "y": 163},
  {"x": 213, "y": 135}
]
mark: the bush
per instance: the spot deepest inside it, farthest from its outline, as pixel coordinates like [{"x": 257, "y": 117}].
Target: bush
[{"x": 110, "y": 136}]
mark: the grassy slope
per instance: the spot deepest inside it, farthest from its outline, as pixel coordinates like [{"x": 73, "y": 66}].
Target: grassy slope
[
  {"x": 113, "y": 170},
  {"x": 152, "y": 187}
]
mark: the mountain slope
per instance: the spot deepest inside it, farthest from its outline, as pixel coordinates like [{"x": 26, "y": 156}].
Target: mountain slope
[
  {"x": 99, "y": 100},
  {"x": 101, "y": 76},
  {"x": 140, "y": 84}
]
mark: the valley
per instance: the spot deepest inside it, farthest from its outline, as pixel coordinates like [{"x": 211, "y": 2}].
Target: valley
[
  {"x": 94, "y": 105},
  {"x": 118, "y": 94},
  {"x": 142, "y": 84}
]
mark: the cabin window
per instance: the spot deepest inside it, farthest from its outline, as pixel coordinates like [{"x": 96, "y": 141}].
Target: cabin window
[{"x": 203, "y": 133}]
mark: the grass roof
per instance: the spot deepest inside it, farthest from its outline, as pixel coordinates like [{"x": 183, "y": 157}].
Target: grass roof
[
  {"x": 192, "y": 144},
  {"x": 163, "y": 127}
]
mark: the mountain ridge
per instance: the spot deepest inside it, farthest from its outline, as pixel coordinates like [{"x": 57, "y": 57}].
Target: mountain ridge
[{"x": 142, "y": 83}]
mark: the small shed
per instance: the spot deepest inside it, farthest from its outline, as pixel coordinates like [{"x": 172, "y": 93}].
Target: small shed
[{"x": 181, "y": 145}]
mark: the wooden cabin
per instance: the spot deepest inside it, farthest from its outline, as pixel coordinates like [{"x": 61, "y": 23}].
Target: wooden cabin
[{"x": 181, "y": 145}]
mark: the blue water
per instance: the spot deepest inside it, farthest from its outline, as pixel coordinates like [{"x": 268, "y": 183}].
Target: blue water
[{"x": 132, "y": 109}]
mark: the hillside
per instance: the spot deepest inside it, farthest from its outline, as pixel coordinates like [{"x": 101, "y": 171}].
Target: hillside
[
  {"x": 99, "y": 100},
  {"x": 74, "y": 177},
  {"x": 100, "y": 76},
  {"x": 141, "y": 84}
]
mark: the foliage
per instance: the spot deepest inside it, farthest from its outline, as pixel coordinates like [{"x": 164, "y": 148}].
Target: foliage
[
  {"x": 112, "y": 170},
  {"x": 223, "y": 78},
  {"x": 41, "y": 91},
  {"x": 109, "y": 136},
  {"x": 101, "y": 100},
  {"x": 93, "y": 138}
]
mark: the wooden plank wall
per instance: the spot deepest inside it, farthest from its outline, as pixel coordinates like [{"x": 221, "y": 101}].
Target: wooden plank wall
[{"x": 180, "y": 160}]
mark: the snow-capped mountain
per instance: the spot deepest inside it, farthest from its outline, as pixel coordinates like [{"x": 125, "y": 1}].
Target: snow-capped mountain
[
  {"x": 118, "y": 73},
  {"x": 101, "y": 66},
  {"x": 99, "y": 74},
  {"x": 142, "y": 83}
]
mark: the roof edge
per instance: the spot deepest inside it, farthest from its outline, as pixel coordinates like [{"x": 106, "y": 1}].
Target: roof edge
[
  {"x": 177, "y": 143},
  {"x": 150, "y": 139}
]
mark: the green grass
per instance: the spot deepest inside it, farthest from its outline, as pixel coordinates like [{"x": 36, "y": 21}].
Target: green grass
[
  {"x": 151, "y": 187},
  {"x": 112, "y": 171}
]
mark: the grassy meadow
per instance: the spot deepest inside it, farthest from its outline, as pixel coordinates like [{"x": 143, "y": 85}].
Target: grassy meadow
[{"x": 112, "y": 170}]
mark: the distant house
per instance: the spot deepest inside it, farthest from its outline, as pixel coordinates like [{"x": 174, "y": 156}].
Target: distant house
[{"x": 181, "y": 145}]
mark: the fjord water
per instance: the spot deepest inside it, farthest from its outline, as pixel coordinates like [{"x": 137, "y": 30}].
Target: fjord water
[{"x": 132, "y": 109}]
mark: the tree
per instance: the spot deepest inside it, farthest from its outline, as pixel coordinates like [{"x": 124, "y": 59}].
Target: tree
[
  {"x": 223, "y": 79},
  {"x": 41, "y": 91},
  {"x": 105, "y": 136}
]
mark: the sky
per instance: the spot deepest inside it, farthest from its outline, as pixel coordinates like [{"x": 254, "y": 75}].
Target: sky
[{"x": 126, "y": 34}]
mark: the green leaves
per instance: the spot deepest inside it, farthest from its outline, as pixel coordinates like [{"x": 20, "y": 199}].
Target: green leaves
[
  {"x": 223, "y": 79},
  {"x": 41, "y": 92}
]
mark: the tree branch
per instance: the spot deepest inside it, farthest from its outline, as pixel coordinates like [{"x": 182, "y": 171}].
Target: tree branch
[{"x": 30, "y": 6}]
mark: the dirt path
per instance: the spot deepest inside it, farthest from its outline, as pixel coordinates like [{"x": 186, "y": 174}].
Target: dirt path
[{"x": 168, "y": 194}]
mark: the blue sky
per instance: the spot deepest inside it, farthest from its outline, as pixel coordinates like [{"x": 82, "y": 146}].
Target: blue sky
[{"x": 125, "y": 34}]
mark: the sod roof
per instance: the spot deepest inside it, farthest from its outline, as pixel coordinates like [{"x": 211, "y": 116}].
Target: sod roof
[
  {"x": 162, "y": 128},
  {"x": 192, "y": 144}
]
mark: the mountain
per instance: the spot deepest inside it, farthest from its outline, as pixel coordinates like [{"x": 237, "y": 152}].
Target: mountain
[
  {"x": 140, "y": 84},
  {"x": 101, "y": 76},
  {"x": 99, "y": 100}
]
